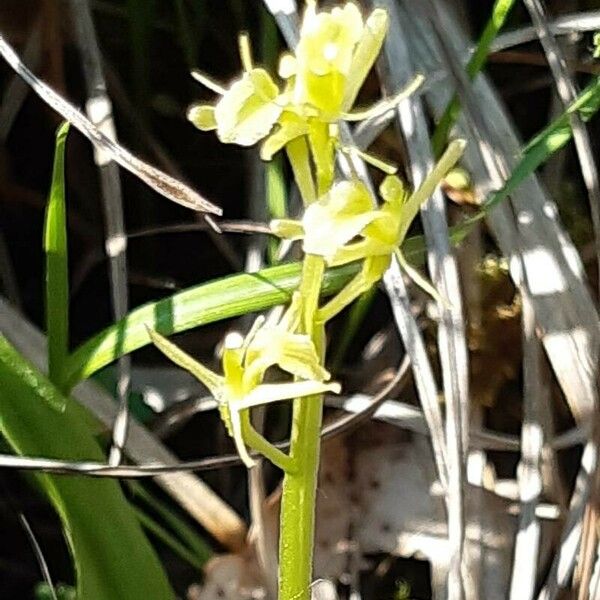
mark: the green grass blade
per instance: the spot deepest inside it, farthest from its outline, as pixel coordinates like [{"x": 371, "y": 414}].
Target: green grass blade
[
  {"x": 168, "y": 539},
  {"x": 496, "y": 21},
  {"x": 225, "y": 298},
  {"x": 196, "y": 546},
  {"x": 57, "y": 273},
  {"x": 113, "y": 558},
  {"x": 547, "y": 142}
]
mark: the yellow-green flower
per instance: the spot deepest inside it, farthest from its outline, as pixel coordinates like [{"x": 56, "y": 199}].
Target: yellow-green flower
[
  {"x": 343, "y": 227},
  {"x": 334, "y": 55},
  {"x": 322, "y": 78},
  {"x": 247, "y": 111},
  {"x": 245, "y": 362}
]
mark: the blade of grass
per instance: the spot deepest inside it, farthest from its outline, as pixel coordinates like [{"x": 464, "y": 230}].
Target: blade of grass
[
  {"x": 39, "y": 555},
  {"x": 197, "y": 547},
  {"x": 16, "y": 90},
  {"x": 142, "y": 14},
  {"x": 406, "y": 324},
  {"x": 567, "y": 319},
  {"x": 8, "y": 277},
  {"x": 190, "y": 28},
  {"x": 534, "y": 154},
  {"x": 167, "y": 538},
  {"x": 477, "y": 61},
  {"x": 213, "y": 301},
  {"x": 578, "y": 22},
  {"x": 113, "y": 558},
  {"x": 57, "y": 275},
  {"x": 551, "y": 139},
  {"x": 565, "y": 557},
  {"x": 543, "y": 262},
  {"x": 356, "y": 315},
  {"x": 529, "y": 473}
]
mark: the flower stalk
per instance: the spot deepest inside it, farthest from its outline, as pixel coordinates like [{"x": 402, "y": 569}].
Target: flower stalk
[
  {"x": 341, "y": 223},
  {"x": 297, "y": 521}
]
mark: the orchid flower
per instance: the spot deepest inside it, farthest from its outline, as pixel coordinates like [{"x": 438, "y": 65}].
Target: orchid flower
[
  {"x": 322, "y": 79},
  {"x": 343, "y": 227},
  {"x": 245, "y": 362}
]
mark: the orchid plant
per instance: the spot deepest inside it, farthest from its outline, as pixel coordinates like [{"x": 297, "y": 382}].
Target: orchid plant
[{"x": 342, "y": 223}]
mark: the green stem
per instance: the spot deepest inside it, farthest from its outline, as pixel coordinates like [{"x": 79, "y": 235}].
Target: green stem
[
  {"x": 299, "y": 487},
  {"x": 322, "y": 150},
  {"x": 311, "y": 279}
]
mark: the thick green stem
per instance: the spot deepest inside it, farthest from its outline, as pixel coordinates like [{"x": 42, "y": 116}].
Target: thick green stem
[{"x": 299, "y": 487}]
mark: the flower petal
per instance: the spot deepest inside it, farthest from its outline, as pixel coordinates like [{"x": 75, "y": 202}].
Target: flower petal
[
  {"x": 248, "y": 110},
  {"x": 365, "y": 54},
  {"x": 287, "y": 66},
  {"x": 393, "y": 190},
  {"x": 202, "y": 116},
  {"x": 292, "y": 352},
  {"x": 324, "y": 54},
  {"x": 238, "y": 439},
  {"x": 290, "y": 126},
  {"x": 360, "y": 250},
  {"x": 276, "y": 392},
  {"x": 337, "y": 218},
  {"x": 287, "y": 229},
  {"x": 411, "y": 207},
  {"x": 385, "y": 105},
  {"x": 210, "y": 379},
  {"x": 327, "y": 237}
]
